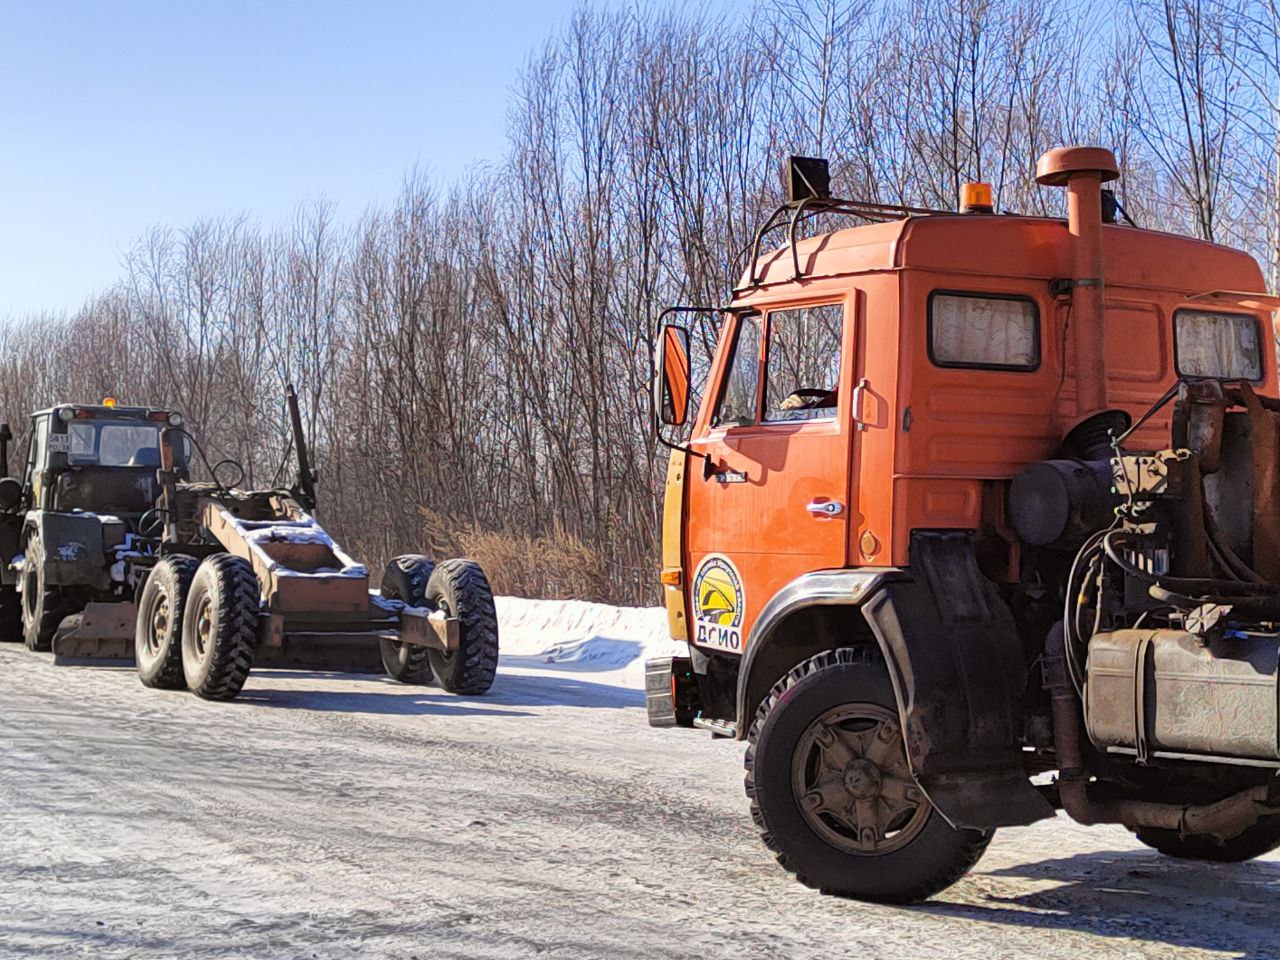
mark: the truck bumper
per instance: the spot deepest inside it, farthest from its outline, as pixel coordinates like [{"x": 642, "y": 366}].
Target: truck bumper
[{"x": 670, "y": 692}]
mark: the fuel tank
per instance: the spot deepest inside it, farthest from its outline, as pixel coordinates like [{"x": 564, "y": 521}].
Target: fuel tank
[{"x": 1171, "y": 692}]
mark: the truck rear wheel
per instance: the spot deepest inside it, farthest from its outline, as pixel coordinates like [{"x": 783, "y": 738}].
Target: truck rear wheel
[
  {"x": 220, "y": 629},
  {"x": 1261, "y": 838},
  {"x": 44, "y": 607},
  {"x": 157, "y": 636},
  {"x": 832, "y": 794},
  {"x": 406, "y": 579},
  {"x": 460, "y": 589}
]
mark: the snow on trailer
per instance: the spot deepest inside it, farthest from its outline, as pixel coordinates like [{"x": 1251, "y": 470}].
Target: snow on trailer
[{"x": 316, "y": 606}]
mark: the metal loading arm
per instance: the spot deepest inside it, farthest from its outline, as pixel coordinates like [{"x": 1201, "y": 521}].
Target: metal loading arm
[{"x": 304, "y": 489}]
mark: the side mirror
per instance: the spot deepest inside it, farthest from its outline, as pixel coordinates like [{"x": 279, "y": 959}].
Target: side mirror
[{"x": 671, "y": 384}]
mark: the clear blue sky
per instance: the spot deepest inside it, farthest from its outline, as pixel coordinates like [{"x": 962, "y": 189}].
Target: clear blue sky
[{"x": 119, "y": 115}]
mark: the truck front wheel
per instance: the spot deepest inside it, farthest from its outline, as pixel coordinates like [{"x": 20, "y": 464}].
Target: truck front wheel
[{"x": 832, "y": 793}]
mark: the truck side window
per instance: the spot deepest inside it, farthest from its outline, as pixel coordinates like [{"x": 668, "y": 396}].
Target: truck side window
[
  {"x": 742, "y": 381},
  {"x": 1224, "y": 346},
  {"x": 803, "y": 368},
  {"x": 984, "y": 331}
]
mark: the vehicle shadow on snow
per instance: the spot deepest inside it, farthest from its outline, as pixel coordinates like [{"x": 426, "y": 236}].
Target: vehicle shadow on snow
[
  {"x": 388, "y": 697},
  {"x": 542, "y": 689},
  {"x": 1143, "y": 896},
  {"x": 420, "y": 702}
]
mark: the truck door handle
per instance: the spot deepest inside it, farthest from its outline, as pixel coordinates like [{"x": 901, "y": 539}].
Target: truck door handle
[
  {"x": 824, "y": 509},
  {"x": 858, "y": 393}
]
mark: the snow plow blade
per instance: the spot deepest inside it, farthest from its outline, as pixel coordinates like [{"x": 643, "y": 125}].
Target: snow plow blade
[{"x": 102, "y": 633}]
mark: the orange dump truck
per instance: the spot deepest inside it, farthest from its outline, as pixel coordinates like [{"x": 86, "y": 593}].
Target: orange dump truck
[{"x": 978, "y": 518}]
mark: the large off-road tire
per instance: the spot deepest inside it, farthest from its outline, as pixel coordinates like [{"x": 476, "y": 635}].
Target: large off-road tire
[
  {"x": 220, "y": 629},
  {"x": 1261, "y": 838},
  {"x": 831, "y": 792},
  {"x": 10, "y": 614},
  {"x": 406, "y": 579},
  {"x": 460, "y": 589},
  {"x": 157, "y": 637},
  {"x": 44, "y": 607}
]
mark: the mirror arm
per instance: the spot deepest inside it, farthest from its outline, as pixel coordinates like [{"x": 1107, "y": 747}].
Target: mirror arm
[
  {"x": 683, "y": 448},
  {"x": 657, "y": 420}
]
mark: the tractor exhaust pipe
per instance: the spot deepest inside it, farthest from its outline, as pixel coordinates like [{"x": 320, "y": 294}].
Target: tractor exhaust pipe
[
  {"x": 1222, "y": 820},
  {"x": 1083, "y": 171}
]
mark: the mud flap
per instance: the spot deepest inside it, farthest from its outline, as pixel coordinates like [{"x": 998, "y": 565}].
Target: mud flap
[
  {"x": 102, "y": 633},
  {"x": 959, "y": 670}
]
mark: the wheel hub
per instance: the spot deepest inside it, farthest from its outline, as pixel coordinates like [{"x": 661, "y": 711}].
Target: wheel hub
[
  {"x": 852, "y": 781},
  {"x": 862, "y": 779},
  {"x": 204, "y": 626},
  {"x": 159, "y": 625}
]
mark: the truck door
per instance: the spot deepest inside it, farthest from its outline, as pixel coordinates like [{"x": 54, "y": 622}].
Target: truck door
[{"x": 770, "y": 500}]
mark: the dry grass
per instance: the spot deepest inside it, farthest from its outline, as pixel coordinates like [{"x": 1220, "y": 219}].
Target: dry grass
[{"x": 555, "y": 565}]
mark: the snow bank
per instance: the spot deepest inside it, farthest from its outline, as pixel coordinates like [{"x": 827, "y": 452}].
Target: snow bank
[{"x": 576, "y": 635}]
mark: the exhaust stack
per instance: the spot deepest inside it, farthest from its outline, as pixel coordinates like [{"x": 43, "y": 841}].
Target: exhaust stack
[{"x": 1083, "y": 171}]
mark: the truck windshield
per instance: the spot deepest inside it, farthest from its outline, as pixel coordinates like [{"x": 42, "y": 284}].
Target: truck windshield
[{"x": 113, "y": 444}]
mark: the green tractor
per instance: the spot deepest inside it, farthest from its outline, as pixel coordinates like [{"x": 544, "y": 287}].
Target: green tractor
[{"x": 70, "y": 526}]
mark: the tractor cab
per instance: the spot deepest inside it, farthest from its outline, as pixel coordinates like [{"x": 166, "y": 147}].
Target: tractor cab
[
  {"x": 97, "y": 458},
  {"x": 83, "y": 522}
]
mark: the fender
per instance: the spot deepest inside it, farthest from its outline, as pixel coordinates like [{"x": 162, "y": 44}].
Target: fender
[
  {"x": 958, "y": 670},
  {"x": 73, "y": 546},
  {"x": 823, "y": 588}
]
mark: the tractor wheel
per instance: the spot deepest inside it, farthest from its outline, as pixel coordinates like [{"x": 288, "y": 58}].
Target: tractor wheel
[
  {"x": 44, "y": 607},
  {"x": 157, "y": 637},
  {"x": 10, "y": 614},
  {"x": 406, "y": 579},
  {"x": 460, "y": 589},
  {"x": 220, "y": 629},
  {"x": 832, "y": 794},
  {"x": 1261, "y": 838}
]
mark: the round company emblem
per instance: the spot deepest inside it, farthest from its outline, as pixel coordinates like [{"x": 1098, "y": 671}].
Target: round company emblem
[{"x": 718, "y": 603}]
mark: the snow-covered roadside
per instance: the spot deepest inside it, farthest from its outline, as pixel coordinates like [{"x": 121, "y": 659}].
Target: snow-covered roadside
[{"x": 612, "y": 642}]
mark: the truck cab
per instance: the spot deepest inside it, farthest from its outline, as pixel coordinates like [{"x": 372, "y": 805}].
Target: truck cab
[{"x": 864, "y": 571}]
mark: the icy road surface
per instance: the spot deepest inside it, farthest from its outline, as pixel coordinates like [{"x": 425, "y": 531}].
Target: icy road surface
[{"x": 335, "y": 816}]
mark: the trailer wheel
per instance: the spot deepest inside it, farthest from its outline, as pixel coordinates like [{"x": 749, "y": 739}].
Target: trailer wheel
[
  {"x": 1261, "y": 838},
  {"x": 406, "y": 579},
  {"x": 460, "y": 589},
  {"x": 220, "y": 629},
  {"x": 44, "y": 607},
  {"x": 157, "y": 636},
  {"x": 10, "y": 614},
  {"x": 832, "y": 794}
]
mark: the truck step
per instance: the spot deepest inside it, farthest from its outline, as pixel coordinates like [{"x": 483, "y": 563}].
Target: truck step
[{"x": 718, "y": 728}]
